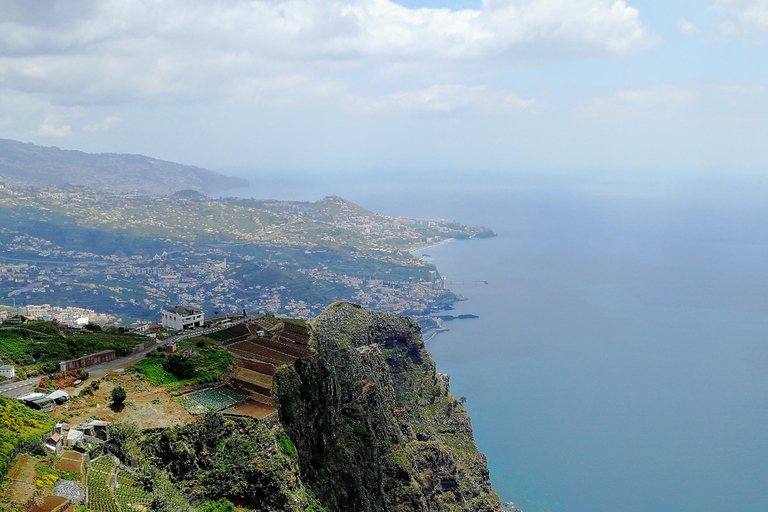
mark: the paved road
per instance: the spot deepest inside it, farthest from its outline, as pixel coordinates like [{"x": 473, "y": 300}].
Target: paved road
[{"x": 16, "y": 389}]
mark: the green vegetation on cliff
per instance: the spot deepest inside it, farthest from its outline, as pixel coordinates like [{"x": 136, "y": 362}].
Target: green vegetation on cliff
[
  {"x": 374, "y": 426},
  {"x": 241, "y": 460}
]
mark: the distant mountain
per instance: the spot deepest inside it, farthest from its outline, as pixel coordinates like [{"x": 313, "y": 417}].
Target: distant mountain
[{"x": 110, "y": 172}]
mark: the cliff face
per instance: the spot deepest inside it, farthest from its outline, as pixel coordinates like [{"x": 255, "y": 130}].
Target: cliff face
[{"x": 374, "y": 426}]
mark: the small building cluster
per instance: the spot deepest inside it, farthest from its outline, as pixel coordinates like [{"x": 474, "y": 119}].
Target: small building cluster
[{"x": 67, "y": 436}]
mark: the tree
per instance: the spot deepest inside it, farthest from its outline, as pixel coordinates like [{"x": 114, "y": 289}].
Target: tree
[
  {"x": 118, "y": 396},
  {"x": 180, "y": 366},
  {"x": 463, "y": 400}
]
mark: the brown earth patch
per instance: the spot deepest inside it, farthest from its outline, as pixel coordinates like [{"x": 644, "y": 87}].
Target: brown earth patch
[
  {"x": 251, "y": 409},
  {"x": 73, "y": 455},
  {"x": 146, "y": 405},
  {"x": 17, "y": 492},
  {"x": 70, "y": 465},
  {"x": 24, "y": 469},
  {"x": 51, "y": 504}
]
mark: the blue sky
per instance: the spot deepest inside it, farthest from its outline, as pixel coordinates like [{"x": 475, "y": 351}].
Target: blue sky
[{"x": 319, "y": 86}]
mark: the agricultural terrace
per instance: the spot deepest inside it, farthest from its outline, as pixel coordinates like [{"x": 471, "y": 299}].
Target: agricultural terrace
[
  {"x": 102, "y": 497},
  {"x": 214, "y": 399},
  {"x": 33, "y": 477}
]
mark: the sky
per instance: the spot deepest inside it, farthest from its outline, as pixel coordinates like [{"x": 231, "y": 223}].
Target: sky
[{"x": 353, "y": 86}]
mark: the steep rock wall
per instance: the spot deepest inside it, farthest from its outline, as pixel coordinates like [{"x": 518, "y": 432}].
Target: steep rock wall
[{"x": 374, "y": 426}]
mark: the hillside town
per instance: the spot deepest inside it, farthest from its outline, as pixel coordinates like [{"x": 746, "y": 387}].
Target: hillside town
[{"x": 274, "y": 257}]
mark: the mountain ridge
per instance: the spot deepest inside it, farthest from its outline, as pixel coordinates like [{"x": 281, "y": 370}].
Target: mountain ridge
[{"x": 30, "y": 164}]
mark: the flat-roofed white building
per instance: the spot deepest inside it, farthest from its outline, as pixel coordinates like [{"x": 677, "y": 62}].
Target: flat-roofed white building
[
  {"x": 7, "y": 370},
  {"x": 182, "y": 317}
]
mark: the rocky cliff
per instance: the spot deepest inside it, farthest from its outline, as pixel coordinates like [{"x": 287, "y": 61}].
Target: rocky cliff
[
  {"x": 366, "y": 425},
  {"x": 374, "y": 425}
]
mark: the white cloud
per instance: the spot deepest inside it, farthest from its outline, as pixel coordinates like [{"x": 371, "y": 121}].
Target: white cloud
[
  {"x": 49, "y": 130},
  {"x": 751, "y": 17},
  {"x": 112, "y": 51},
  {"x": 687, "y": 27},
  {"x": 105, "y": 124},
  {"x": 449, "y": 98}
]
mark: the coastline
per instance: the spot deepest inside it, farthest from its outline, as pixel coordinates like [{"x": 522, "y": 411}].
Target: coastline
[{"x": 420, "y": 247}]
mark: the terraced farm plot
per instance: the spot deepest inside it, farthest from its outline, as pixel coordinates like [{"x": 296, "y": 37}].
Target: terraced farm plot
[
  {"x": 215, "y": 399},
  {"x": 128, "y": 494}
]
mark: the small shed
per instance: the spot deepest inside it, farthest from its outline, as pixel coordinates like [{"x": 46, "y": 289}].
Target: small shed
[
  {"x": 171, "y": 347},
  {"x": 59, "y": 396},
  {"x": 54, "y": 443},
  {"x": 75, "y": 436},
  {"x": 8, "y": 371}
]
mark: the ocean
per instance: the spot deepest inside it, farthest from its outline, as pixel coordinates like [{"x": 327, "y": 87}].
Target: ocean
[{"x": 620, "y": 361}]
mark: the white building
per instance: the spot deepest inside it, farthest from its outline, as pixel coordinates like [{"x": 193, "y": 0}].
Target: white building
[
  {"x": 7, "y": 370},
  {"x": 182, "y": 317}
]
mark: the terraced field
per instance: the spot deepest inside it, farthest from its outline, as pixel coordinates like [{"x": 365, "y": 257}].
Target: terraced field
[
  {"x": 215, "y": 399},
  {"x": 125, "y": 497}
]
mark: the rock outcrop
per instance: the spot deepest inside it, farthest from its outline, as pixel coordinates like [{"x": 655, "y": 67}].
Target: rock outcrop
[{"x": 374, "y": 426}]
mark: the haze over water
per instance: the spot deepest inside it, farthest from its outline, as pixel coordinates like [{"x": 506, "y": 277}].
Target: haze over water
[{"x": 620, "y": 363}]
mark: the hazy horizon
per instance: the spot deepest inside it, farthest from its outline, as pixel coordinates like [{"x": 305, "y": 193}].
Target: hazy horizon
[{"x": 362, "y": 86}]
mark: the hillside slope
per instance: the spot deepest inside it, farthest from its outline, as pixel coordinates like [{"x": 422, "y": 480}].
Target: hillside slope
[{"x": 30, "y": 164}]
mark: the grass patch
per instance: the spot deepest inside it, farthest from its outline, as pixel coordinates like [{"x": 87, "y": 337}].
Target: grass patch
[{"x": 212, "y": 364}]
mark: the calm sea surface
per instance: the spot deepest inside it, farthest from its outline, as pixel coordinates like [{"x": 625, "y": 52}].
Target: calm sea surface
[{"x": 620, "y": 362}]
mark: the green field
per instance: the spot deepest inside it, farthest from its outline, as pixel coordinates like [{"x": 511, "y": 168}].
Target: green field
[{"x": 211, "y": 364}]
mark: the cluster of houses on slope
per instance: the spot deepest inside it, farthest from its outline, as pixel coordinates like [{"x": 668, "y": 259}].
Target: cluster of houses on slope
[{"x": 88, "y": 433}]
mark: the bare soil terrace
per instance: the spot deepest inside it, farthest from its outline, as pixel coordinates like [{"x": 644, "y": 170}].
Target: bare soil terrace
[{"x": 146, "y": 405}]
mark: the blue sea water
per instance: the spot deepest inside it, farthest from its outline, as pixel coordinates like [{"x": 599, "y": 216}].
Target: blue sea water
[{"x": 620, "y": 361}]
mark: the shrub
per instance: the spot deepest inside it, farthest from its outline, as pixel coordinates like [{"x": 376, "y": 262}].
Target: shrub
[
  {"x": 33, "y": 447},
  {"x": 118, "y": 395},
  {"x": 223, "y": 505}
]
